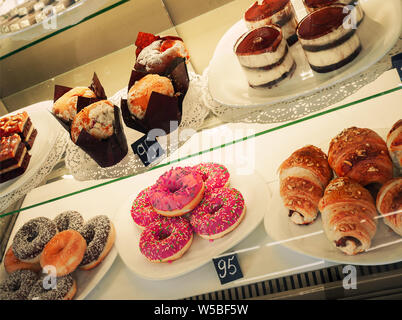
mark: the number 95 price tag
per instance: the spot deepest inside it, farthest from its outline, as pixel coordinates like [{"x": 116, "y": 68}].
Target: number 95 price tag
[{"x": 228, "y": 268}]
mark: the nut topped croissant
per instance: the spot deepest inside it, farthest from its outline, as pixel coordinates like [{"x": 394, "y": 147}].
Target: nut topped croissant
[
  {"x": 360, "y": 154},
  {"x": 394, "y": 144},
  {"x": 303, "y": 178},
  {"x": 348, "y": 214}
]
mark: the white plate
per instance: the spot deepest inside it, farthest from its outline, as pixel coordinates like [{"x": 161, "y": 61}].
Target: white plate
[
  {"x": 386, "y": 246},
  {"x": 256, "y": 195},
  {"x": 86, "y": 280},
  {"x": 48, "y": 129},
  {"x": 228, "y": 85}
]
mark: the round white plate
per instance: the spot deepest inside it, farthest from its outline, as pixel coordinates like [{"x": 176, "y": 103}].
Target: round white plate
[
  {"x": 86, "y": 280},
  {"x": 48, "y": 129},
  {"x": 386, "y": 246},
  {"x": 228, "y": 84},
  {"x": 256, "y": 195}
]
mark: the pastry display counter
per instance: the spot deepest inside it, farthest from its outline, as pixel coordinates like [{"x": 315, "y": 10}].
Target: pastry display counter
[{"x": 275, "y": 260}]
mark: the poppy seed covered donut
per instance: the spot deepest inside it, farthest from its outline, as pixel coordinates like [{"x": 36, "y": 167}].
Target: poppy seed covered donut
[
  {"x": 69, "y": 220},
  {"x": 33, "y": 236}
]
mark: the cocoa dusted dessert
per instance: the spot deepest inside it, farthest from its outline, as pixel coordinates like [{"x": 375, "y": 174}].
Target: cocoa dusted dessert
[
  {"x": 264, "y": 55},
  {"x": 327, "y": 43},
  {"x": 20, "y": 124},
  {"x": 312, "y": 5},
  {"x": 279, "y": 12},
  {"x": 14, "y": 157}
]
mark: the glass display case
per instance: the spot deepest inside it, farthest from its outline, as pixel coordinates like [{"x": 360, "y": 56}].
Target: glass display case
[{"x": 216, "y": 177}]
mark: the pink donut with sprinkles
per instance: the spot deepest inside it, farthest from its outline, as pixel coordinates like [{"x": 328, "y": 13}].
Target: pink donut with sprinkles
[
  {"x": 219, "y": 213},
  {"x": 166, "y": 240},
  {"x": 142, "y": 211},
  {"x": 177, "y": 192},
  {"x": 214, "y": 175}
]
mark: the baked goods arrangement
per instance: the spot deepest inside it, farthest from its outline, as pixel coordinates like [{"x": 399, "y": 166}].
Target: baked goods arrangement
[
  {"x": 183, "y": 203},
  {"x": 58, "y": 248},
  {"x": 353, "y": 187},
  {"x": 327, "y": 41},
  {"x": 17, "y": 134}
]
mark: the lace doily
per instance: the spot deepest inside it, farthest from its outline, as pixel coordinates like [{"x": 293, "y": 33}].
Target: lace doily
[
  {"x": 301, "y": 106},
  {"x": 55, "y": 155},
  {"x": 83, "y": 167}
]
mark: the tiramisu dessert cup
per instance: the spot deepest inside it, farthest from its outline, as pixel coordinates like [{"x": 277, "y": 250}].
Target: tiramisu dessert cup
[
  {"x": 264, "y": 56},
  {"x": 328, "y": 42},
  {"x": 279, "y": 12}
]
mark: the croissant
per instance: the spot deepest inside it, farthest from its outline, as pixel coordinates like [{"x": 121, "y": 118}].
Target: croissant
[
  {"x": 394, "y": 144},
  {"x": 389, "y": 204},
  {"x": 360, "y": 154},
  {"x": 303, "y": 178},
  {"x": 348, "y": 215}
]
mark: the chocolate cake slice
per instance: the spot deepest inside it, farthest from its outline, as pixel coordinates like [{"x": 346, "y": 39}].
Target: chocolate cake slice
[
  {"x": 14, "y": 157},
  {"x": 20, "y": 124}
]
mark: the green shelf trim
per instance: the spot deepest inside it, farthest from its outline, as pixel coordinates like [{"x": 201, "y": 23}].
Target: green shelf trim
[
  {"x": 93, "y": 15},
  {"x": 313, "y": 116}
]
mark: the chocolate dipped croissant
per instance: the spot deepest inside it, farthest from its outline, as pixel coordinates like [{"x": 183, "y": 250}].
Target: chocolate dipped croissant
[
  {"x": 394, "y": 144},
  {"x": 389, "y": 204},
  {"x": 303, "y": 178},
  {"x": 348, "y": 215},
  {"x": 360, "y": 154}
]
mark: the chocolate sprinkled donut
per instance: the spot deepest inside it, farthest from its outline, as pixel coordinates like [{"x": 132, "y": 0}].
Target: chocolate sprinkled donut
[
  {"x": 33, "y": 236},
  {"x": 18, "y": 285},
  {"x": 63, "y": 287},
  {"x": 95, "y": 232},
  {"x": 69, "y": 220}
]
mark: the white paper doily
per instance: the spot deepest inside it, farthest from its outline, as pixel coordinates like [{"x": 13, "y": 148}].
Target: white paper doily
[
  {"x": 83, "y": 167},
  {"x": 53, "y": 158},
  {"x": 302, "y": 106}
]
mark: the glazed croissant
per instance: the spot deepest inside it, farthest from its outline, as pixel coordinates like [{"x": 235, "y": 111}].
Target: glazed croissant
[
  {"x": 394, "y": 144},
  {"x": 389, "y": 204},
  {"x": 348, "y": 215},
  {"x": 303, "y": 178},
  {"x": 360, "y": 154}
]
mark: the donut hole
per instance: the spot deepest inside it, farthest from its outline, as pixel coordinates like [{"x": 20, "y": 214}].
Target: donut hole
[
  {"x": 15, "y": 286},
  {"x": 174, "y": 188},
  {"x": 89, "y": 235},
  {"x": 163, "y": 234},
  {"x": 214, "y": 207},
  {"x": 32, "y": 235}
]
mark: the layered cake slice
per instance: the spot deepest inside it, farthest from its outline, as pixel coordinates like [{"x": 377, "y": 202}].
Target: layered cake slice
[
  {"x": 279, "y": 12},
  {"x": 14, "y": 157},
  {"x": 312, "y": 5},
  {"x": 20, "y": 124},
  {"x": 327, "y": 43},
  {"x": 264, "y": 55}
]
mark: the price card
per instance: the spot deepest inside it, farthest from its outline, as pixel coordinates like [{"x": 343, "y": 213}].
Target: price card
[
  {"x": 228, "y": 268},
  {"x": 397, "y": 64},
  {"x": 148, "y": 149}
]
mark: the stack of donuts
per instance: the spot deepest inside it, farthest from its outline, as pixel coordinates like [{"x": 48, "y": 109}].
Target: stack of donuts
[
  {"x": 45, "y": 250},
  {"x": 185, "y": 201},
  {"x": 367, "y": 186}
]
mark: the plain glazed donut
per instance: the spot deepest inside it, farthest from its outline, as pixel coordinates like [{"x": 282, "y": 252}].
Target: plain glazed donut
[
  {"x": 166, "y": 240},
  {"x": 177, "y": 192},
  {"x": 69, "y": 220},
  {"x": 99, "y": 233},
  {"x": 214, "y": 175},
  {"x": 33, "y": 236},
  {"x": 66, "y": 287},
  {"x": 65, "y": 252},
  {"x": 142, "y": 211},
  {"x": 220, "y": 212},
  {"x": 18, "y": 285},
  {"x": 12, "y": 264}
]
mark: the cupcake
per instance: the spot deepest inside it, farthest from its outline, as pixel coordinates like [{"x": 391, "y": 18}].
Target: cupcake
[
  {"x": 264, "y": 56},
  {"x": 327, "y": 43}
]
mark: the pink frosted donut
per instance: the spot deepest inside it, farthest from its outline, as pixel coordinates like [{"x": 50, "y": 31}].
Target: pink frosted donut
[
  {"x": 177, "y": 192},
  {"x": 220, "y": 212},
  {"x": 214, "y": 175},
  {"x": 142, "y": 211},
  {"x": 166, "y": 240}
]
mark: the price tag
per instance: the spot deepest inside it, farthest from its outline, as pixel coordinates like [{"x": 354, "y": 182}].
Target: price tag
[
  {"x": 397, "y": 64},
  {"x": 228, "y": 268},
  {"x": 148, "y": 149}
]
